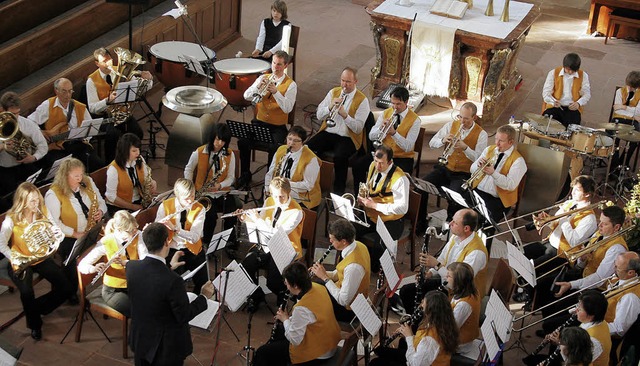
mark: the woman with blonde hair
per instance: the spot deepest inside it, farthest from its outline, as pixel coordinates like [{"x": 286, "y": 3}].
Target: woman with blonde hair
[
  {"x": 28, "y": 207},
  {"x": 121, "y": 230}
]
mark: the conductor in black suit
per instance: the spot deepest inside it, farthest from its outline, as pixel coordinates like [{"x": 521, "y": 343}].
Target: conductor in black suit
[{"x": 160, "y": 308}]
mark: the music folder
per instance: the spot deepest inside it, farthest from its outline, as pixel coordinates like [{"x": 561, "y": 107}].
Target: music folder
[{"x": 204, "y": 319}]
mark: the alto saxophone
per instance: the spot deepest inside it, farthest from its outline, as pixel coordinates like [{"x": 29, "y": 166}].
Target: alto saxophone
[
  {"x": 201, "y": 193},
  {"x": 277, "y": 170},
  {"x": 95, "y": 206},
  {"x": 146, "y": 189}
]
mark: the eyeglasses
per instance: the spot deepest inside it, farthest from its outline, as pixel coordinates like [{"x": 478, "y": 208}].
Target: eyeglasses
[
  {"x": 459, "y": 117},
  {"x": 294, "y": 140},
  {"x": 65, "y": 91}
]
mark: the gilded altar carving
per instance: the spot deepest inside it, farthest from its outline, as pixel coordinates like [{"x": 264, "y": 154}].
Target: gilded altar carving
[
  {"x": 495, "y": 79},
  {"x": 456, "y": 75},
  {"x": 473, "y": 65},
  {"x": 377, "y": 32},
  {"x": 392, "y": 51}
]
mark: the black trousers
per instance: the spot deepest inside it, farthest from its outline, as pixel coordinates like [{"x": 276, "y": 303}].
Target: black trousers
[
  {"x": 408, "y": 292},
  {"x": 70, "y": 271},
  {"x": 45, "y": 304},
  {"x": 340, "y": 148},
  {"x": 564, "y": 115},
  {"x": 278, "y": 134},
  {"x": 616, "y": 159},
  {"x": 81, "y": 151},
  {"x": 360, "y": 167},
  {"x": 113, "y": 134},
  {"x": 440, "y": 176},
  {"x": 224, "y": 204},
  {"x": 13, "y": 176},
  {"x": 257, "y": 260},
  {"x": 395, "y": 227},
  {"x": 191, "y": 262}
]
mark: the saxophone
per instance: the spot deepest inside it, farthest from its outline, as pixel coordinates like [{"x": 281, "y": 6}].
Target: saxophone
[
  {"x": 95, "y": 206},
  {"x": 146, "y": 190},
  {"x": 277, "y": 170},
  {"x": 201, "y": 193},
  {"x": 41, "y": 240}
]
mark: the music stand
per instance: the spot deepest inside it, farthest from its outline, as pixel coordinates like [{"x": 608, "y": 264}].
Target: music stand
[
  {"x": 220, "y": 239},
  {"x": 345, "y": 209}
]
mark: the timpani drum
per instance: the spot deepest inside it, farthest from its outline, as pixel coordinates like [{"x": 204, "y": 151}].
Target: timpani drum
[
  {"x": 169, "y": 66},
  {"x": 603, "y": 146},
  {"x": 236, "y": 75},
  {"x": 583, "y": 139}
]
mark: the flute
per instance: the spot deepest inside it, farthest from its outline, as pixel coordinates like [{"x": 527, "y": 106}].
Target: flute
[
  {"x": 116, "y": 255},
  {"x": 242, "y": 212}
]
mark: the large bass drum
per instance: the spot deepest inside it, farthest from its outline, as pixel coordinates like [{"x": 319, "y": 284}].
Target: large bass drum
[
  {"x": 236, "y": 76},
  {"x": 169, "y": 66}
]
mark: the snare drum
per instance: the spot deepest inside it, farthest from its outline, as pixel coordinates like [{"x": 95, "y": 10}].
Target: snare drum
[
  {"x": 236, "y": 76},
  {"x": 583, "y": 138},
  {"x": 169, "y": 66},
  {"x": 604, "y": 146}
]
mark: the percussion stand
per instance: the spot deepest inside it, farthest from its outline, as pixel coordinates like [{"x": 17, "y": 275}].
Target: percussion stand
[{"x": 153, "y": 130}]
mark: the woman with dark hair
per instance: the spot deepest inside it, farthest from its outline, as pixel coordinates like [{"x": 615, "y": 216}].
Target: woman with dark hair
[
  {"x": 127, "y": 175},
  {"x": 213, "y": 166},
  {"x": 465, "y": 304},
  {"x": 576, "y": 347}
]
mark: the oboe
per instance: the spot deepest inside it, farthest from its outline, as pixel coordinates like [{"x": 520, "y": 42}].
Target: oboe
[
  {"x": 415, "y": 318},
  {"x": 324, "y": 256},
  {"x": 287, "y": 297}
]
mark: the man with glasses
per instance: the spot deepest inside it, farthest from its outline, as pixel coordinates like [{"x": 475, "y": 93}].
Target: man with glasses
[
  {"x": 296, "y": 162},
  {"x": 56, "y": 115},
  {"x": 469, "y": 140}
]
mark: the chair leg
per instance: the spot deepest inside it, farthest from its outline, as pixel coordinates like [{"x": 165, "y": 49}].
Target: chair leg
[{"x": 125, "y": 343}]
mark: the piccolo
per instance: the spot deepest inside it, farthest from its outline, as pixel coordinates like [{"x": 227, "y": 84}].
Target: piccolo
[
  {"x": 242, "y": 212},
  {"x": 116, "y": 255}
]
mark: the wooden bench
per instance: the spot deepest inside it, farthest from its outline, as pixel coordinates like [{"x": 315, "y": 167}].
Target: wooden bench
[{"x": 618, "y": 17}]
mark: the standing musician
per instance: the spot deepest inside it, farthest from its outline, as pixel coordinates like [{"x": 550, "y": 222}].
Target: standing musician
[
  {"x": 128, "y": 175},
  {"x": 464, "y": 246},
  {"x": 465, "y": 302},
  {"x": 352, "y": 274},
  {"x": 301, "y": 166},
  {"x": 311, "y": 332},
  {"x": 344, "y": 112},
  {"x": 402, "y": 126},
  {"x": 272, "y": 111},
  {"x": 121, "y": 230},
  {"x": 75, "y": 205},
  {"x": 28, "y": 207},
  {"x": 566, "y": 91},
  {"x": 279, "y": 211},
  {"x": 184, "y": 217},
  {"x": 212, "y": 168},
  {"x": 387, "y": 198},
  {"x": 466, "y": 141},
  {"x": 56, "y": 115}
]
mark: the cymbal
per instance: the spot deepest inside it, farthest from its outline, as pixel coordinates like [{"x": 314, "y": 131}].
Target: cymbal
[
  {"x": 542, "y": 122},
  {"x": 630, "y": 136},
  {"x": 616, "y": 127}
]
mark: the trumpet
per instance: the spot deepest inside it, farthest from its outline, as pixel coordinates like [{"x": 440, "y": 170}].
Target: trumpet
[
  {"x": 448, "y": 150},
  {"x": 333, "y": 112},
  {"x": 479, "y": 174},
  {"x": 242, "y": 212},
  {"x": 385, "y": 130},
  {"x": 263, "y": 89}
]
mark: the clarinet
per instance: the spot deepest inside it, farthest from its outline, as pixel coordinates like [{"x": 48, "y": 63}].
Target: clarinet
[
  {"x": 542, "y": 344},
  {"x": 415, "y": 318},
  {"x": 420, "y": 276},
  {"x": 380, "y": 280},
  {"x": 287, "y": 297},
  {"x": 324, "y": 256},
  {"x": 552, "y": 357}
]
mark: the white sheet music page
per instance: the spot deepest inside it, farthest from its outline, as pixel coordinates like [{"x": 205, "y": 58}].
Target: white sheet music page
[
  {"x": 6, "y": 359},
  {"x": 407, "y": 281},
  {"x": 281, "y": 249},
  {"x": 390, "y": 273},
  {"x": 497, "y": 312},
  {"x": 499, "y": 249},
  {"x": 55, "y": 166},
  {"x": 219, "y": 241},
  {"x": 343, "y": 207},
  {"x": 366, "y": 315},
  {"x": 521, "y": 264},
  {"x": 490, "y": 339},
  {"x": 258, "y": 236},
  {"x": 239, "y": 289},
  {"x": 457, "y": 197},
  {"x": 32, "y": 178},
  {"x": 204, "y": 319},
  {"x": 388, "y": 241}
]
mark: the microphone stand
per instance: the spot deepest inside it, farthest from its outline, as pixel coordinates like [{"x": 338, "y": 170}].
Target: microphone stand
[{"x": 221, "y": 315}]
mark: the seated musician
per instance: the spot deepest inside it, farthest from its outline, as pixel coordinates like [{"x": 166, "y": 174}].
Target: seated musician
[
  {"x": 576, "y": 347},
  {"x": 75, "y": 205},
  {"x": 352, "y": 274},
  {"x": 301, "y": 166},
  {"x": 343, "y": 136},
  {"x": 402, "y": 126},
  {"x": 469, "y": 141},
  {"x": 434, "y": 342},
  {"x": 311, "y": 332},
  {"x": 625, "y": 103},
  {"x": 566, "y": 91},
  {"x": 464, "y": 246},
  {"x": 28, "y": 207},
  {"x": 127, "y": 185},
  {"x": 269, "y": 39},
  {"x": 212, "y": 167},
  {"x": 56, "y": 115},
  {"x": 387, "y": 198},
  {"x": 465, "y": 302},
  {"x": 121, "y": 230},
  {"x": 279, "y": 211},
  {"x": 184, "y": 217},
  {"x": 272, "y": 111},
  {"x": 99, "y": 94},
  {"x": 624, "y": 308}
]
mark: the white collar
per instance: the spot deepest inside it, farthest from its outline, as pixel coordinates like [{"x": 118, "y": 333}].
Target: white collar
[
  {"x": 350, "y": 248},
  {"x": 157, "y": 257}
]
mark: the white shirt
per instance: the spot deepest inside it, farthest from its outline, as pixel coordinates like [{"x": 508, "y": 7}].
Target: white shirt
[
  {"x": 288, "y": 220},
  {"x": 574, "y": 236},
  {"x": 190, "y": 169},
  {"x": 285, "y": 102},
  {"x": 400, "y": 190},
  {"x": 507, "y": 182},
  {"x": 94, "y": 104},
  {"x": 605, "y": 269},
  {"x": 296, "y": 326},
  {"x": 353, "y": 275},
  {"x": 405, "y": 143},
  {"x": 309, "y": 177},
  {"x": 343, "y": 125},
  {"x": 28, "y": 128},
  {"x": 450, "y": 253},
  {"x": 567, "y": 84},
  {"x": 424, "y": 354},
  {"x": 6, "y": 231},
  {"x": 192, "y": 235},
  {"x": 461, "y": 312},
  {"x": 262, "y": 34},
  {"x": 111, "y": 191},
  {"x": 627, "y": 310},
  {"x": 597, "y": 346},
  {"x": 87, "y": 264},
  {"x": 628, "y": 111},
  {"x": 54, "y": 206},
  {"x": 472, "y": 154},
  {"x": 41, "y": 114}
]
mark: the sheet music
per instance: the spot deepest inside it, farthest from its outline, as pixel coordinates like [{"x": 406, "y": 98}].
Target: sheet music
[
  {"x": 388, "y": 241},
  {"x": 410, "y": 280},
  {"x": 366, "y": 315},
  {"x": 192, "y": 64},
  {"x": 55, "y": 166},
  {"x": 482, "y": 207},
  {"x": 32, "y": 178},
  {"x": 204, "y": 319},
  {"x": 457, "y": 197},
  {"x": 73, "y": 251},
  {"x": 189, "y": 274},
  {"x": 521, "y": 264},
  {"x": 497, "y": 312},
  {"x": 499, "y": 249},
  {"x": 239, "y": 289},
  {"x": 175, "y": 13},
  {"x": 423, "y": 185},
  {"x": 343, "y": 207},
  {"x": 219, "y": 241},
  {"x": 7, "y": 359},
  {"x": 490, "y": 339},
  {"x": 390, "y": 273},
  {"x": 122, "y": 95},
  {"x": 281, "y": 249}
]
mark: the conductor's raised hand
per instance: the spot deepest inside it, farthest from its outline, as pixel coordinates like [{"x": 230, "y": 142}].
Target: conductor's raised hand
[
  {"x": 207, "y": 289},
  {"x": 175, "y": 260}
]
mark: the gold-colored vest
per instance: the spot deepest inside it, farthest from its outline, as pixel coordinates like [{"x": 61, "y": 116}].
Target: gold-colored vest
[
  {"x": 632, "y": 103},
  {"x": 458, "y": 161},
  {"x": 203, "y": 165},
  {"x": 358, "y": 98},
  {"x": 564, "y": 244},
  {"x": 102, "y": 87},
  {"x": 443, "y": 358},
  {"x": 480, "y": 278},
  {"x": 68, "y": 215},
  {"x": 115, "y": 275},
  {"x": 382, "y": 192},
  {"x": 315, "y": 195},
  {"x": 16, "y": 242},
  {"x": 613, "y": 301},
  {"x": 598, "y": 254},
  {"x": 470, "y": 329},
  {"x": 56, "y": 116},
  {"x": 170, "y": 207},
  {"x": 125, "y": 185},
  {"x": 403, "y": 129},
  {"x": 558, "y": 87},
  {"x": 359, "y": 255},
  {"x": 321, "y": 336},
  {"x": 508, "y": 198},
  {"x": 601, "y": 333},
  {"x": 268, "y": 109},
  {"x": 296, "y": 234}
]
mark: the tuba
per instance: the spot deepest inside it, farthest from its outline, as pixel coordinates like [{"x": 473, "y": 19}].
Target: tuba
[
  {"x": 21, "y": 145},
  {"x": 128, "y": 61},
  {"x": 41, "y": 240}
]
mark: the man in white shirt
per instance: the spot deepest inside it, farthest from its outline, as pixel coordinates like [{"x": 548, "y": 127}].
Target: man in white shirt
[{"x": 566, "y": 91}]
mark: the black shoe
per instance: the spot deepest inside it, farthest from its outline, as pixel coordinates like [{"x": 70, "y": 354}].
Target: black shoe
[
  {"x": 521, "y": 297},
  {"x": 36, "y": 334},
  {"x": 254, "y": 301},
  {"x": 73, "y": 300}
]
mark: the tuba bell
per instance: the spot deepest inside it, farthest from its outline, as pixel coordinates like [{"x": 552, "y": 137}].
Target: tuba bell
[
  {"x": 128, "y": 62},
  {"x": 21, "y": 145}
]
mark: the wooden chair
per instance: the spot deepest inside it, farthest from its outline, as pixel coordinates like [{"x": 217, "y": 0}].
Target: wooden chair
[
  {"x": 236, "y": 155},
  {"x": 618, "y": 17},
  {"x": 293, "y": 49},
  {"x": 309, "y": 234},
  {"x": 146, "y": 216},
  {"x": 345, "y": 355},
  {"x": 503, "y": 281},
  {"x": 418, "y": 148},
  {"x": 100, "y": 179}
]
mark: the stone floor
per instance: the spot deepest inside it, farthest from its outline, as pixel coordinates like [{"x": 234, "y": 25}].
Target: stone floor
[{"x": 334, "y": 34}]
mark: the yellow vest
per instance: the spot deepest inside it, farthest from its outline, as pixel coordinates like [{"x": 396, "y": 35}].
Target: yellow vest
[
  {"x": 315, "y": 195},
  {"x": 480, "y": 278},
  {"x": 56, "y": 116},
  {"x": 102, "y": 87},
  {"x": 321, "y": 336},
  {"x": 203, "y": 165},
  {"x": 382, "y": 193},
  {"x": 470, "y": 329},
  {"x": 600, "y": 332},
  {"x": 458, "y": 161},
  {"x": 403, "y": 129},
  {"x": 598, "y": 255},
  {"x": 564, "y": 244},
  {"x": 268, "y": 109},
  {"x": 125, "y": 185},
  {"x": 508, "y": 198},
  {"x": 443, "y": 358},
  {"x": 16, "y": 242},
  {"x": 115, "y": 275},
  {"x": 558, "y": 87},
  {"x": 613, "y": 301},
  {"x": 632, "y": 103},
  {"x": 68, "y": 215},
  {"x": 359, "y": 255},
  {"x": 170, "y": 207},
  {"x": 358, "y": 98},
  {"x": 296, "y": 234}
]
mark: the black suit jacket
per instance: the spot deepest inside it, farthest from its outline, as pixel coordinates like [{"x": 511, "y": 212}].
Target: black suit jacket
[{"x": 160, "y": 313}]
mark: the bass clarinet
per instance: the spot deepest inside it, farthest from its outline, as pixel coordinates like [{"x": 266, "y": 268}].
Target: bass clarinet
[{"x": 415, "y": 318}]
